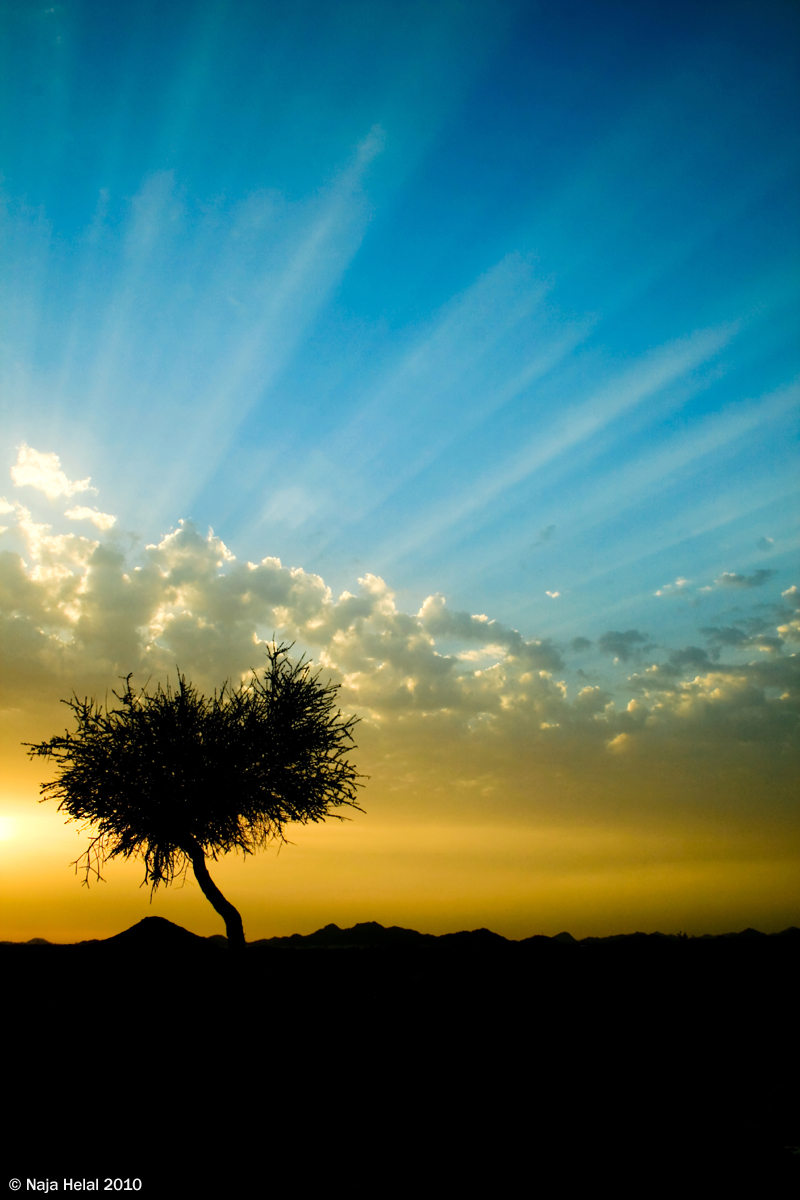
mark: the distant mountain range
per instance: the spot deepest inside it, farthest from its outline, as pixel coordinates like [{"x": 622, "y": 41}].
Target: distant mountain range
[{"x": 156, "y": 932}]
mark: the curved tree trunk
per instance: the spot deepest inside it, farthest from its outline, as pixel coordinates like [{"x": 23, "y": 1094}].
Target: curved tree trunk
[{"x": 230, "y": 915}]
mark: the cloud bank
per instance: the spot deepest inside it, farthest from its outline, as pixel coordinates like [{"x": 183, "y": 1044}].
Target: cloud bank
[
  {"x": 496, "y": 759},
  {"x": 80, "y": 612}
]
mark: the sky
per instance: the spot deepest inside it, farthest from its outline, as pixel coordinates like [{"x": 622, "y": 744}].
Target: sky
[{"x": 455, "y": 343}]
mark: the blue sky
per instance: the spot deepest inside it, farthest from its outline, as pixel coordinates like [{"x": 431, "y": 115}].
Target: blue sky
[
  {"x": 497, "y": 302},
  {"x": 336, "y": 279}
]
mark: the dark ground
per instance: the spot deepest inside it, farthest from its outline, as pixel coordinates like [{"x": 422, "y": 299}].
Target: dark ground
[{"x": 396, "y": 1063}]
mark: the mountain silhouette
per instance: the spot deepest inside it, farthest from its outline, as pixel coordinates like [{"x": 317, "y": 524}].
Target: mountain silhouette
[{"x": 157, "y": 933}]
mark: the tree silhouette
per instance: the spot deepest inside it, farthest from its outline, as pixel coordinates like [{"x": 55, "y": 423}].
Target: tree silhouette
[{"x": 177, "y": 777}]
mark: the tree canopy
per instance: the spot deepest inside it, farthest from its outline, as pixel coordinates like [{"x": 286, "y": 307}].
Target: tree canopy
[{"x": 175, "y": 777}]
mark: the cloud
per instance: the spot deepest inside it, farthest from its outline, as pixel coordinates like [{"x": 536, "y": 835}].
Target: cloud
[
  {"x": 592, "y": 700},
  {"x": 82, "y": 513},
  {"x": 789, "y": 631},
  {"x": 727, "y": 635},
  {"x": 726, "y": 704},
  {"x": 620, "y": 744},
  {"x": 544, "y": 535},
  {"x": 679, "y": 585},
  {"x": 79, "y": 613},
  {"x": 621, "y": 645},
  {"x": 757, "y": 634},
  {"x": 43, "y": 471},
  {"x": 757, "y": 579},
  {"x": 437, "y": 619},
  {"x": 770, "y": 645},
  {"x": 553, "y": 595},
  {"x": 765, "y": 543},
  {"x": 691, "y": 656}
]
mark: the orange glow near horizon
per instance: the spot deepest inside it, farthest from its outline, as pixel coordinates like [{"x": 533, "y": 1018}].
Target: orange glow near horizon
[{"x": 432, "y": 872}]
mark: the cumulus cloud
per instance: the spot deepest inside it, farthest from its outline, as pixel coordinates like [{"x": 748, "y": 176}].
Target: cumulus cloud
[
  {"x": 78, "y": 613},
  {"x": 619, "y": 744},
  {"x": 82, "y": 513},
  {"x": 593, "y": 700},
  {"x": 789, "y": 631},
  {"x": 765, "y": 543},
  {"x": 692, "y": 657},
  {"x": 622, "y": 645},
  {"x": 43, "y": 471},
  {"x": 730, "y": 579},
  {"x": 732, "y": 704},
  {"x": 756, "y": 634},
  {"x": 696, "y": 690},
  {"x": 724, "y": 635},
  {"x": 440, "y": 621},
  {"x": 75, "y": 606},
  {"x": 679, "y": 585}
]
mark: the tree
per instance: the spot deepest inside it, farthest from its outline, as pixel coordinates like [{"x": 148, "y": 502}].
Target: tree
[{"x": 177, "y": 777}]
